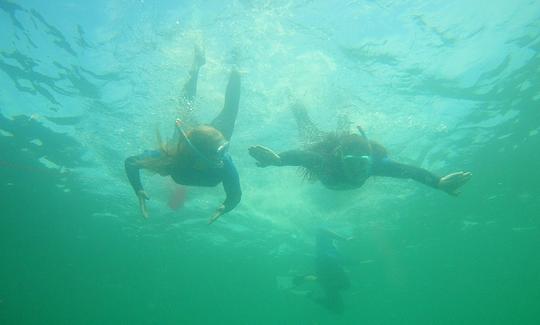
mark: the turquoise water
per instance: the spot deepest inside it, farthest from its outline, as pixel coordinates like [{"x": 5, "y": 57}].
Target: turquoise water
[{"x": 444, "y": 85}]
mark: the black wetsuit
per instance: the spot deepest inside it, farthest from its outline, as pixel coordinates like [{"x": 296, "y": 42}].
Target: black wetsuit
[
  {"x": 188, "y": 175},
  {"x": 227, "y": 174}
]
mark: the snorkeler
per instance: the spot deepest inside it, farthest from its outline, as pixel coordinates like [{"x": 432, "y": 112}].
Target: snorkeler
[
  {"x": 343, "y": 161},
  {"x": 330, "y": 274},
  {"x": 329, "y": 270},
  {"x": 199, "y": 155}
]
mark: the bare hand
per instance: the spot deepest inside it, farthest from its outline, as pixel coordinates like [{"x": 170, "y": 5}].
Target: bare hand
[
  {"x": 142, "y": 202},
  {"x": 219, "y": 212},
  {"x": 452, "y": 182},
  {"x": 264, "y": 156}
]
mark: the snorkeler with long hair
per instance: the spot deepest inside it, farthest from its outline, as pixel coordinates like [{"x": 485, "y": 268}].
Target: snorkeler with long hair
[
  {"x": 343, "y": 161},
  {"x": 199, "y": 155}
]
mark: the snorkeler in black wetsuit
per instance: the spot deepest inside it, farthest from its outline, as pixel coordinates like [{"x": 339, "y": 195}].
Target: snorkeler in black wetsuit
[
  {"x": 345, "y": 161},
  {"x": 199, "y": 156}
]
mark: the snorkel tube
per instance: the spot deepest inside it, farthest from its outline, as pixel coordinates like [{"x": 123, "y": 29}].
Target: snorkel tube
[
  {"x": 363, "y": 134},
  {"x": 368, "y": 157},
  {"x": 220, "y": 151}
]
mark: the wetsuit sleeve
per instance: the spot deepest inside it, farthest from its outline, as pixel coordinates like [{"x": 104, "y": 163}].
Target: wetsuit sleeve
[
  {"x": 390, "y": 168},
  {"x": 133, "y": 166},
  {"x": 231, "y": 185},
  {"x": 302, "y": 158}
]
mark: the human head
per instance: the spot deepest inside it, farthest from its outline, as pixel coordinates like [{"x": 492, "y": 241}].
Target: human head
[
  {"x": 205, "y": 145},
  {"x": 356, "y": 157},
  {"x": 355, "y": 144}
]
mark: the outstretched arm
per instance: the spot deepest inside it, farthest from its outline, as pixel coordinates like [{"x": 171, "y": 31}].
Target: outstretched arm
[
  {"x": 449, "y": 183},
  {"x": 231, "y": 185},
  {"x": 390, "y": 168},
  {"x": 266, "y": 157},
  {"x": 133, "y": 167}
]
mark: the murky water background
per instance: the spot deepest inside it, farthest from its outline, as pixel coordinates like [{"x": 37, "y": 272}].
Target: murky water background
[{"x": 446, "y": 86}]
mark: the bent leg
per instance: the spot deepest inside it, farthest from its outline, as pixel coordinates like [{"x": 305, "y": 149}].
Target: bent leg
[
  {"x": 226, "y": 119},
  {"x": 309, "y": 133},
  {"x": 189, "y": 92},
  {"x": 190, "y": 88}
]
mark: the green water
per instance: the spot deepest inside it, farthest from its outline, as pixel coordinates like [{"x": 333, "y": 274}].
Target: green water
[{"x": 446, "y": 86}]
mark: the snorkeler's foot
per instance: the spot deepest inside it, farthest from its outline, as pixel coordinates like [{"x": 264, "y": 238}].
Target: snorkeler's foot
[
  {"x": 200, "y": 57},
  {"x": 300, "y": 112},
  {"x": 264, "y": 156},
  {"x": 234, "y": 57},
  {"x": 452, "y": 182}
]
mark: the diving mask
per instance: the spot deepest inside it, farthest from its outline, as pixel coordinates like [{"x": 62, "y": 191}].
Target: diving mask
[{"x": 357, "y": 167}]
